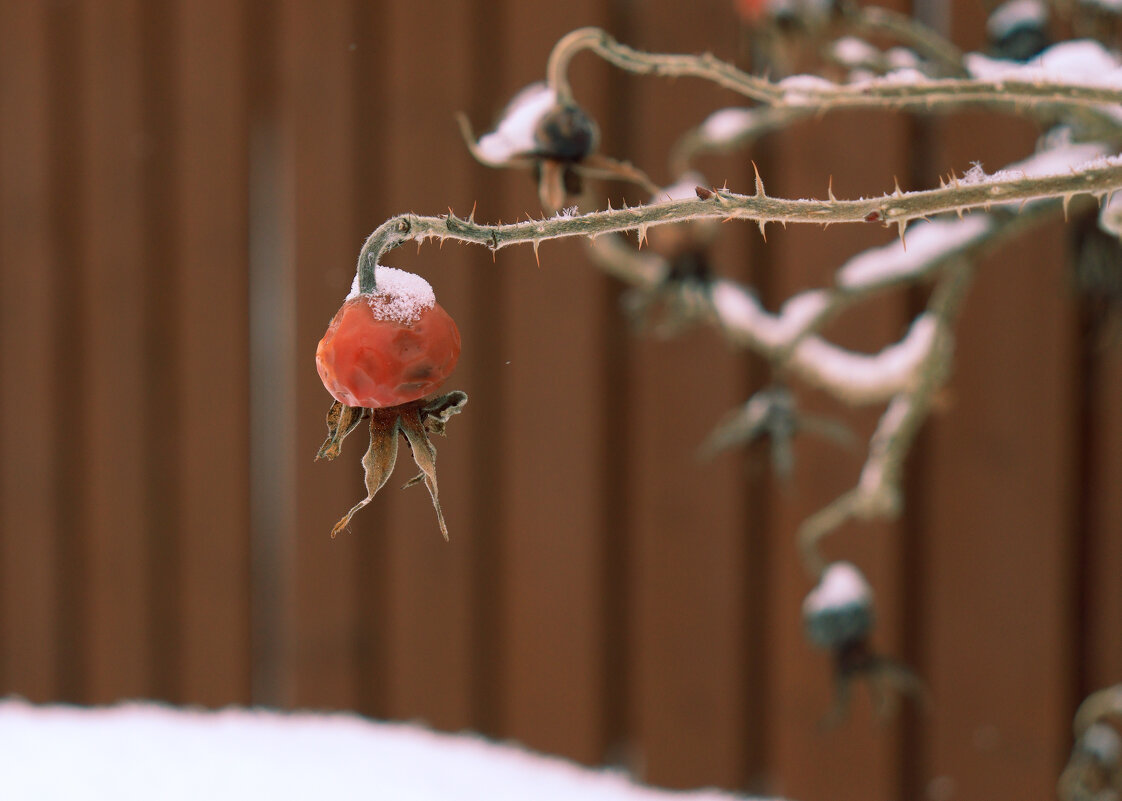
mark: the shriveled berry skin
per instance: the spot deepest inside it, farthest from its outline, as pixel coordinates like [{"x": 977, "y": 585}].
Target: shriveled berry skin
[{"x": 372, "y": 362}]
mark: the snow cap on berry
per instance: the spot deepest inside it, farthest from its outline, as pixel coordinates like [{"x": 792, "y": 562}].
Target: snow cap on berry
[
  {"x": 840, "y": 609},
  {"x": 401, "y": 296}
]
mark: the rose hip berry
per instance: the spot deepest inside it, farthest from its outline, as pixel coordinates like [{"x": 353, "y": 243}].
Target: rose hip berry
[{"x": 389, "y": 347}]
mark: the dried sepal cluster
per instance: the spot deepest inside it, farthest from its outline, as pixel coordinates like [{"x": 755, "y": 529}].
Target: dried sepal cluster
[{"x": 415, "y": 422}]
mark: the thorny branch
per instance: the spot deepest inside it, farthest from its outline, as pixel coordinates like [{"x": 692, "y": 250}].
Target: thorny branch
[
  {"x": 1099, "y": 177},
  {"x": 820, "y": 95},
  {"x": 905, "y": 375}
]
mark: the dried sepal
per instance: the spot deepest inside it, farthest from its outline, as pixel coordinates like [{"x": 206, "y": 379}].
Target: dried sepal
[
  {"x": 341, "y": 421},
  {"x": 379, "y": 461},
  {"x": 424, "y": 454},
  {"x": 416, "y": 421},
  {"x": 773, "y": 413},
  {"x": 436, "y": 413}
]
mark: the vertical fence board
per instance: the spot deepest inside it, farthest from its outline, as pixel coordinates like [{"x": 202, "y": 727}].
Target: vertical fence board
[
  {"x": 1103, "y": 647},
  {"x": 112, "y": 404},
  {"x": 998, "y": 514},
  {"x": 856, "y": 759},
  {"x": 553, "y": 487},
  {"x": 29, "y": 310},
  {"x": 316, "y": 109},
  {"x": 430, "y": 582},
  {"x": 687, "y": 561},
  {"x": 212, "y": 342}
]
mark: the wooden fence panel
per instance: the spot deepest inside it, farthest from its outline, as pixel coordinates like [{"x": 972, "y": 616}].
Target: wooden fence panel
[
  {"x": 859, "y": 154},
  {"x": 603, "y": 597},
  {"x": 687, "y": 568},
  {"x": 1102, "y": 604},
  {"x": 317, "y": 114},
  {"x": 554, "y": 429},
  {"x": 30, "y": 307},
  {"x": 211, "y": 171},
  {"x": 997, "y": 516},
  {"x": 113, "y": 414},
  {"x": 431, "y": 605}
]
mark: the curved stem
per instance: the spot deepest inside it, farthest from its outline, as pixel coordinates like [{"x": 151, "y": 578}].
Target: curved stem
[
  {"x": 821, "y": 95},
  {"x": 1096, "y": 177},
  {"x": 877, "y": 494},
  {"x": 926, "y": 42}
]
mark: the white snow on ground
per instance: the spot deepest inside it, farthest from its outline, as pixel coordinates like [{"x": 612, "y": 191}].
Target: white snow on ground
[{"x": 146, "y": 751}]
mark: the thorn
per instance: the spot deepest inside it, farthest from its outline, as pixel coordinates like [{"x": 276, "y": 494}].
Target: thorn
[
  {"x": 610, "y": 205},
  {"x": 1067, "y": 202},
  {"x": 763, "y": 229},
  {"x": 642, "y": 234},
  {"x": 759, "y": 181},
  {"x": 896, "y": 182},
  {"x": 830, "y": 189},
  {"x": 1019, "y": 210},
  {"x": 451, "y": 214},
  {"x": 441, "y": 246},
  {"x": 784, "y": 224},
  {"x": 536, "y": 243},
  {"x": 900, "y": 226},
  {"x": 942, "y": 183},
  {"x": 471, "y": 217},
  {"x": 959, "y": 211},
  {"x": 420, "y": 241}
]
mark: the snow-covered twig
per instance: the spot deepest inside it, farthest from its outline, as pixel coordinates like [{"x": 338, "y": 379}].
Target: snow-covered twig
[
  {"x": 877, "y": 494},
  {"x": 911, "y": 90},
  {"x": 923, "y": 40}
]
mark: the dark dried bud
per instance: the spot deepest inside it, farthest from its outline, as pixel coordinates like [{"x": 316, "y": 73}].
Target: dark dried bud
[
  {"x": 839, "y": 611},
  {"x": 1018, "y": 30},
  {"x": 565, "y": 133}
]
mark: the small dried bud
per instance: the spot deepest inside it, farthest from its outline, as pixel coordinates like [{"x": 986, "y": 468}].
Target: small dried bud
[
  {"x": 1018, "y": 29},
  {"x": 839, "y": 610},
  {"x": 565, "y": 133}
]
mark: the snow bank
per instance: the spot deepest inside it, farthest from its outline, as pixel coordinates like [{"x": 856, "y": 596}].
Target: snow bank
[{"x": 147, "y": 751}]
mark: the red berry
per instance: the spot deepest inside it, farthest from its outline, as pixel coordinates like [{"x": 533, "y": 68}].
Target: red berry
[{"x": 388, "y": 348}]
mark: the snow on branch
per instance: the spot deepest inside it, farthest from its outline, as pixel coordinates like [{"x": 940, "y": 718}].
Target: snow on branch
[{"x": 907, "y": 89}]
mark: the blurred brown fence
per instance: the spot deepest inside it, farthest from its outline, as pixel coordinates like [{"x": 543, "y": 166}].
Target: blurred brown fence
[{"x": 184, "y": 186}]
